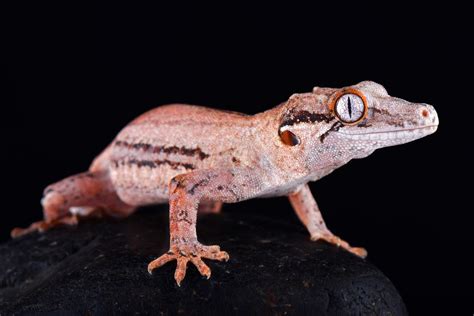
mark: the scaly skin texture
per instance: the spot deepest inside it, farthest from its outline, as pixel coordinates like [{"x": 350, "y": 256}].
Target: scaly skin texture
[{"x": 198, "y": 158}]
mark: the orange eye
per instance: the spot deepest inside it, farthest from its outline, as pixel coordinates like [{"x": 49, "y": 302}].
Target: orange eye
[{"x": 350, "y": 106}]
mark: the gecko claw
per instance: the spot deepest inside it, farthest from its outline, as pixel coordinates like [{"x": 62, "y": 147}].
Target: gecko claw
[{"x": 185, "y": 253}]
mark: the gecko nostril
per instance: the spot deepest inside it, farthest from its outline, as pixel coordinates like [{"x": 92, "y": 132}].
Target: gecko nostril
[{"x": 425, "y": 113}]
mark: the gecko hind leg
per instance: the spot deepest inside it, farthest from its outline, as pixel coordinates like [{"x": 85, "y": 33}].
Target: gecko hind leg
[
  {"x": 308, "y": 212},
  {"x": 88, "y": 194}
]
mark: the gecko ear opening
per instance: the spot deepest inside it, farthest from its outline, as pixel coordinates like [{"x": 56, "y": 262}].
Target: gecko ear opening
[{"x": 288, "y": 138}]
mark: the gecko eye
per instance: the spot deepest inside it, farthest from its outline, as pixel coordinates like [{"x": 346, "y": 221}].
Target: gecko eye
[{"x": 350, "y": 108}]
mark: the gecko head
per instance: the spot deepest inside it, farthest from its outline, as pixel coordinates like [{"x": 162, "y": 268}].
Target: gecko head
[
  {"x": 351, "y": 122},
  {"x": 370, "y": 118}
]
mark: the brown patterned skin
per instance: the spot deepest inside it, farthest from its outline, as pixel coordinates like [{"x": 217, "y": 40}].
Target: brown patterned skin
[{"x": 198, "y": 158}]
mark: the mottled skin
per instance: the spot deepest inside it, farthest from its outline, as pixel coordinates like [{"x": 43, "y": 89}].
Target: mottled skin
[{"x": 198, "y": 158}]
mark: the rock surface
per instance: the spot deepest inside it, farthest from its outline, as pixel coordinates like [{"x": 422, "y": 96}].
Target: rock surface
[{"x": 99, "y": 267}]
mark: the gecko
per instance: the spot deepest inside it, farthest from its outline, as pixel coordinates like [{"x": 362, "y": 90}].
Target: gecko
[{"x": 197, "y": 158}]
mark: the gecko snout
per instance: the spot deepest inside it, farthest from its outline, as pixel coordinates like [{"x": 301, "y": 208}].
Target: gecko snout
[{"x": 428, "y": 115}]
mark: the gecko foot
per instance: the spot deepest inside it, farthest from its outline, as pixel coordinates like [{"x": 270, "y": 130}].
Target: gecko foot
[
  {"x": 335, "y": 240},
  {"x": 42, "y": 226},
  {"x": 184, "y": 253}
]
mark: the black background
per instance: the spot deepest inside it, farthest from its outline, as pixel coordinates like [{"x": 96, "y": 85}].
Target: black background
[{"x": 76, "y": 75}]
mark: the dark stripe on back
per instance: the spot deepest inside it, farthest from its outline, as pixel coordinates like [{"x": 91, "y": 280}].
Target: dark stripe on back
[
  {"x": 163, "y": 149},
  {"x": 153, "y": 163}
]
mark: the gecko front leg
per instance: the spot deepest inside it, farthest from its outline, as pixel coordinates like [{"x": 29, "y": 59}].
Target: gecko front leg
[
  {"x": 186, "y": 192},
  {"x": 308, "y": 212}
]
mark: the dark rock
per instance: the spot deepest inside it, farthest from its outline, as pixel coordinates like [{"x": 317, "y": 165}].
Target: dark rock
[{"x": 100, "y": 267}]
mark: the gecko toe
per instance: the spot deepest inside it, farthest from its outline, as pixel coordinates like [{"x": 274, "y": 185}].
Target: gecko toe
[
  {"x": 221, "y": 256},
  {"x": 40, "y": 226},
  {"x": 18, "y": 232},
  {"x": 184, "y": 253},
  {"x": 337, "y": 241},
  {"x": 359, "y": 251},
  {"x": 201, "y": 266},
  {"x": 213, "y": 248},
  {"x": 160, "y": 261},
  {"x": 44, "y": 225},
  {"x": 181, "y": 267}
]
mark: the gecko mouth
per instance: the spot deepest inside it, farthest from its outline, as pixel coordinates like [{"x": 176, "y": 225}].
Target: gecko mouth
[{"x": 405, "y": 133}]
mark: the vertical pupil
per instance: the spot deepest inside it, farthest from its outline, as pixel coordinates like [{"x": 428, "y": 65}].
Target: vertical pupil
[{"x": 349, "y": 106}]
